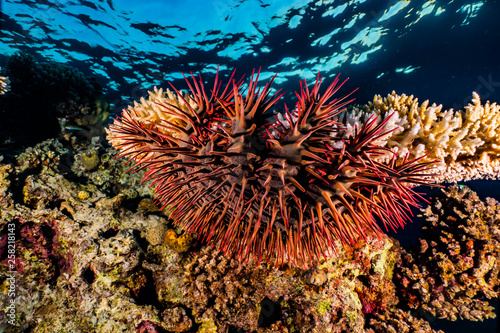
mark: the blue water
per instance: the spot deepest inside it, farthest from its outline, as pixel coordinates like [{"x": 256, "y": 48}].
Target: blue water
[{"x": 436, "y": 50}]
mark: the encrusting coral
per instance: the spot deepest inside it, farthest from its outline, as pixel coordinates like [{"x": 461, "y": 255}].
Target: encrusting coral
[
  {"x": 466, "y": 142},
  {"x": 258, "y": 188},
  {"x": 457, "y": 264}
]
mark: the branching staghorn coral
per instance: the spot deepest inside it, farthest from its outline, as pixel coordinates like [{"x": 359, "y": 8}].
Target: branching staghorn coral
[{"x": 467, "y": 142}]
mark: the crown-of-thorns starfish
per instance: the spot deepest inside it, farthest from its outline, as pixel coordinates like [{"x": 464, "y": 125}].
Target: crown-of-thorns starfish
[{"x": 267, "y": 188}]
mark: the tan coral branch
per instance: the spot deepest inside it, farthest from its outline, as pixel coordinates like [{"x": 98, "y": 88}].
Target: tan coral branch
[{"x": 465, "y": 141}]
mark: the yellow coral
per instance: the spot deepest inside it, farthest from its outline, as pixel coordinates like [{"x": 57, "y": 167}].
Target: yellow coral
[
  {"x": 177, "y": 243},
  {"x": 83, "y": 195},
  {"x": 148, "y": 205},
  {"x": 207, "y": 326},
  {"x": 467, "y": 142}
]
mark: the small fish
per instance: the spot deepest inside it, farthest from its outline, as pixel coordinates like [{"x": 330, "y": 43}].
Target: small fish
[{"x": 73, "y": 128}]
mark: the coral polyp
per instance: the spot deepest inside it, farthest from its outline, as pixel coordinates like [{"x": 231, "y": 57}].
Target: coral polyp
[{"x": 286, "y": 189}]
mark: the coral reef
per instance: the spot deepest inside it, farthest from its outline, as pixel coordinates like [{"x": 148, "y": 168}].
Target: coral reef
[
  {"x": 280, "y": 193},
  {"x": 93, "y": 256},
  {"x": 151, "y": 111},
  {"x": 94, "y": 162},
  {"x": 466, "y": 142},
  {"x": 354, "y": 284},
  {"x": 4, "y": 84},
  {"x": 47, "y": 154},
  {"x": 48, "y": 99},
  {"x": 78, "y": 263},
  {"x": 95, "y": 253},
  {"x": 457, "y": 264}
]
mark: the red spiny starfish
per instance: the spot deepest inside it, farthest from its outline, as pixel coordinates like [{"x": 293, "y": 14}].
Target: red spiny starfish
[{"x": 280, "y": 190}]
